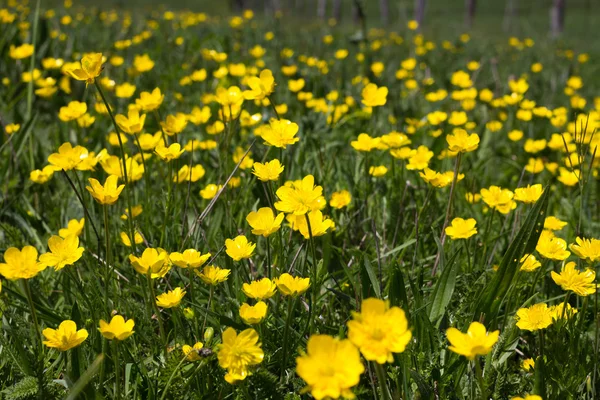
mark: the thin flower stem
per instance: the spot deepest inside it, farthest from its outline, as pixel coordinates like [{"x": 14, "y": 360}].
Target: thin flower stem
[
  {"x": 381, "y": 377},
  {"x": 286, "y": 332},
  {"x": 124, "y": 163},
  {"x": 315, "y": 287},
  {"x": 480, "y": 382},
  {"x": 107, "y": 260},
  {"x": 210, "y": 295},
  {"x": 168, "y": 385},
  {"x": 268, "y": 257},
  {"x": 168, "y": 205},
  {"x": 36, "y": 325},
  {"x": 117, "y": 370},
  {"x": 158, "y": 317}
]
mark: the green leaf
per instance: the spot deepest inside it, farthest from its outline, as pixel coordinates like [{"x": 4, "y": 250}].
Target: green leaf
[
  {"x": 372, "y": 277},
  {"x": 493, "y": 294},
  {"x": 397, "y": 289},
  {"x": 444, "y": 288}
]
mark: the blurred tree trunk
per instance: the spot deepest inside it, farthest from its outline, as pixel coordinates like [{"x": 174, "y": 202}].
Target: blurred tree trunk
[
  {"x": 337, "y": 10},
  {"x": 384, "y": 10},
  {"x": 557, "y": 17},
  {"x": 470, "y": 8},
  {"x": 510, "y": 12},
  {"x": 321, "y": 8},
  {"x": 420, "y": 11}
]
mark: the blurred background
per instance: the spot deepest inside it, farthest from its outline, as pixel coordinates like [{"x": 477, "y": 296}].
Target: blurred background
[{"x": 574, "y": 18}]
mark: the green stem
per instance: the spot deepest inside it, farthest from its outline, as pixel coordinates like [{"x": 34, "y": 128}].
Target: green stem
[
  {"x": 210, "y": 295},
  {"x": 158, "y": 317},
  {"x": 268, "y": 258},
  {"x": 124, "y": 162},
  {"x": 36, "y": 326},
  {"x": 381, "y": 377},
  {"x": 315, "y": 288},
  {"x": 171, "y": 378},
  {"x": 117, "y": 372},
  {"x": 286, "y": 332},
  {"x": 107, "y": 260},
  {"x": 168, "y": 205},
  {"x": 479, "y": 376}
]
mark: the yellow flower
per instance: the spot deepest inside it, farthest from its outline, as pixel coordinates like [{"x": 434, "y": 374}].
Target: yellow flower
[
  {"x": 63, "y": 252},
  {"x": 239, "y": 248},
  {"x": 268, "y": 171},
  {"x": 117, "y": 328},
  {"x": 142, "y": 63},
  {"x": 476, "y": 342},
  {"x": 536, "y": 317},
  {"x": 558, "y": 313},
  {"x": 190, "y": 258},
  {"x": 185, "y": 174},
  {"x": 72, "y": 111},
  {"x": 21, "y": 264},
  {"x": 581, "y": 283},
  {"x": 113, "y": 165},
  {"x": 419, "y": 159},
  {"x": 23, "y": 51},
  {"x": 259, "y": 290},
  {"x": 74, "y": 227},
  {"x": 125, "y": 90},
  {"x": 319, "y": 225},
  {"x": 264, "y": 222},
  {"x": 152, "y": 261},
  {"x": 461, "y": 228},
  {"x": 340, "y": 199},
  {"x": 373, "y": 96},
  {"x": 173, "y": 152},
  {"x": 174, "y": 124},
  {"x": 126, "y": 240},
  {"x": 261, "y": 86},
  {"x": 330, "y": 367},
  {"x": 133, "y": 123},
  {"x": 529, "y": 263},
  {"x": 529, "y": 194},
  {"x": 552, "y": 247},
  {"x": 107, "y": 194},
  {"x": 367, "y": 143},
  {"x": 252, "y": 315},
  {"x": 497, "y": 198},
  {"x": 300, "y": 197},
  {"x": 135, "y": 211},
  {"x": 280, "y": 133},
  {"x": 12, "y": 128},
  {"x": 210, "y": 191},
  {"x": 528, "y": 364},
  {"x": 292, "y": 285},
  {"x": 378, "y": 330},
  {"x": 528, "y": 397},
  {"x": 554, "y": 224},
  {"x": 212, "y": 275},
  {"x": 238, "y": 352},
  {"x": 150, "y": 101},
  {"x": 586, "y": 249},
  {"x": 91, "y": 67},
  {"x": 170, "y": 299},
  {"x": 461, "y": 141},
  {"x": 231, "y": 96},
  {"x": 65, "y": 337},
  {"x": 68, "y": 157},
  {"x": 295, "y": 85},
  {"x": 378, "y": 171},
  {"x": 192, "y": 353}
]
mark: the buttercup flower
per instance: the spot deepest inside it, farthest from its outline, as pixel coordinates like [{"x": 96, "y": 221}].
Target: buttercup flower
[
  {"x": 117, "y": 328},
  {"x": 65, "y": 337},
  {"x": 173, "y": 152},
  {"x": 461, "y": 141},
  {"x": 190, "y": 258},
  {"x": 461, "y": 228},
  {"x": 239, "y": 248},
  {"x": 476, "y": 342},
  {"x": 552, "y": 247},
  {"x": 133, "y": 123},
  {"x": 239, "y": 352},
  {"x": 192, "y": 353},
  {"x": 213, "y": 275},
  {"x": 581, "y": 283},
  {"x": 170, "y": 299},
  {"x": 74, "y": 227},
  {"x": 150, "y": 101},
  {"x": 280, "y": 133},
  {"x": 268, "y": 171},
  {"x": 528, "y": 364},
  {"x": 586, "y": 249},
  {"x": 63, "y": 252},
  {"x": 21, "y": 264},
  {"x": 529, "y": 194},
  {"x": 330, "y": 367},
  {"x": 260, "y": 290},
  {"x": 290, "y": 285},
  {"x": 90, "y": 69},
  {"x": 252, "y": 315},
  {"x": 107, "y": 194},
  {"x": 152, "y": 261},
  {"x": 536, "y": 317},
  {"x": 379, "y": 331},
  {"x": 300, "y": 197},
  {"x": 340, "y": 199},
  {"x": 260, "y": 87},
  {"x": 373, "y": 96},
  {"x": 529, "y": 263},
  {"x": 264, "y": 222}
]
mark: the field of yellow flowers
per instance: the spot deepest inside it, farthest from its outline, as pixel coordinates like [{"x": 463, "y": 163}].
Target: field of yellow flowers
[{"x": 194, "y": 207}]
